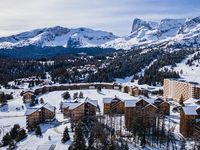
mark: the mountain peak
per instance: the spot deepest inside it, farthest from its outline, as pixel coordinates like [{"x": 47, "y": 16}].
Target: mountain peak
[
  {"x": 138, "y": 23},
  {"x": 192, "y": 22}
]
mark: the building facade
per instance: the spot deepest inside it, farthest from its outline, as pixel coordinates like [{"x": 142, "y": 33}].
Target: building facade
[
  {"x": 113, "y": 106},
  {"x": 188, "y": 121},
  {"x": 176, "y": 89},
  {"x": 78, "y": 110},
  {"x": 133, "y": 91},
  {"x": 28, "y": 96},
  {"x": 39, "y": 114},
  {"x": 147, "y": 109}
]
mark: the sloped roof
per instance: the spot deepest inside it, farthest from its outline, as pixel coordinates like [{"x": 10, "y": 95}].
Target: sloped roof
[
  {"x": 74, "y": 104},
  {"x": 71, "y": 105},
  {"x": 49, "y": 107},
  {"x": 130, "y": 103},
  {"x": 107, "y": 100},
  {"x": 31, "y": 110},
  {"x": 92, "y": 102},
  {"x": 31, "y": 92},
  {"x": 197, "y": 120},
  {"x": 192, "y": 102},
  {"x": 46, "y": 147},
  {"x": 190, "y": 110},
  {"x": 151, "y": 105}
]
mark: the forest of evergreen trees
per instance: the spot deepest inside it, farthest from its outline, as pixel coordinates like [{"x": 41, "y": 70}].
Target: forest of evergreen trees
[
  {"x": 120, "y": 64},
  {"x": 154, "y": 75}
]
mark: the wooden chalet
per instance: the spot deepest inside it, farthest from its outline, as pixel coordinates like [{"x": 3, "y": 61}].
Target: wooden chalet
[
  {"x": 189, "y": 121},
  {"x": 39, "y": 114},
  {"x": 28, "y": 96},
  {"x": 113, "y": 105},
  {"x": 163, "y": 106},
  {"x": 78, "y": 109},
  {"x": 146, "y": 108},
  {"x": 131, "y": 90}
]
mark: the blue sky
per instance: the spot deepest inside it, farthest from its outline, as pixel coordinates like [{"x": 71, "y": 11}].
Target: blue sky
[{"x": 110, "y": 15}]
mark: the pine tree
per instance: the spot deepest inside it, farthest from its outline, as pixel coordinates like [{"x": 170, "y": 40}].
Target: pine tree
[
  {"x": 112, "y": 146},
  {"x": 126, "y": 147},
  {"x": 81, "y": 95},
  {"x": 181, "y": 101},
  {"x": 66, "y": 95},
  {"x": 41, "y": 100},
  {"x": 75, "y": 95},
  {"x": 38, "y": 131},
  {"x": 49, "y": 138},
  {"x": 12, "y": 145},
  {"x": 3, "y": 101},
  {"x": 14, "y": 131},
  {"x": 21, "y": 135},
  {"x": 66, "y": 136},
  {"x": 91, "y": 141},
  {"x": 6, "y": 139},
  {"x": 79, "y": 141},
  {"x": 99, "y": 89}
]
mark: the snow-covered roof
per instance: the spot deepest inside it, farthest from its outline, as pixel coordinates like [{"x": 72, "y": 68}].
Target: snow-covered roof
[
  {"x": 49, "y": 107},
  {"x": 31, "y": 110},
  {"x": 30, "y": 92},
  {"x": 71, "y": 105},
  {"x": 197, "y": 120},
  {"x": 151, "y": 105},
  {"x": 159, "y": 100},
  {"x": 74, "y": 104},
  {"x": 46, "y": 147},
  {"x": 190, "y": 110},
  {"x": 148, "y": 100},
  {"x": 92, "y": 102},
  {"x": 130, "y": 103},
  {"x": 192, "y": 102},
  {"x": 107, "y": 100}
]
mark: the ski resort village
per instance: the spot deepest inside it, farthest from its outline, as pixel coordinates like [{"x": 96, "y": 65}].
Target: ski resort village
[
  {"x": 60, "y": 116},
  {"x": 100, "y": 75}
]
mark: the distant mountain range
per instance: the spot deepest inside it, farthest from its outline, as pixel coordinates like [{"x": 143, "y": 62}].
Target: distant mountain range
[
  {"x": 58, "y": 36},
  {"x": 167, "y": 33}
]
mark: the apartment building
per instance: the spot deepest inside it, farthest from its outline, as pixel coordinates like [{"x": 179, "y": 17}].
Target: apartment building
[
  {"x": 189, "y": 121},
  {"x": 176, "y": 89},
  {"x": 113, "y": 105},
  {"x": 39, "y": 114},
  {"x": 78, "y": 109},
  {"x": 147, "y": 108}
]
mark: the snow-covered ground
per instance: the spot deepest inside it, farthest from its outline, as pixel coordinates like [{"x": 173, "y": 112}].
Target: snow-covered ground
[
  {"x": 14, "y": 112},
  {"x": 124, "y": 80},
  {"x": 54, "y": 98},
  {"x": 189, "y": 73},
  {"x": 52, "y": 132}
]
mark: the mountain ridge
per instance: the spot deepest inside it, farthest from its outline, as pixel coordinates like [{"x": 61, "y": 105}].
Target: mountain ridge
[{"x": 166, "y": 32}]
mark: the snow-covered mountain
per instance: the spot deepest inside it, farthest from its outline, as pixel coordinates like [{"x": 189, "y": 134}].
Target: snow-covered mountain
[
  {"x": 58, "y": 36},
  {"x": 168, "y": 32}
]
